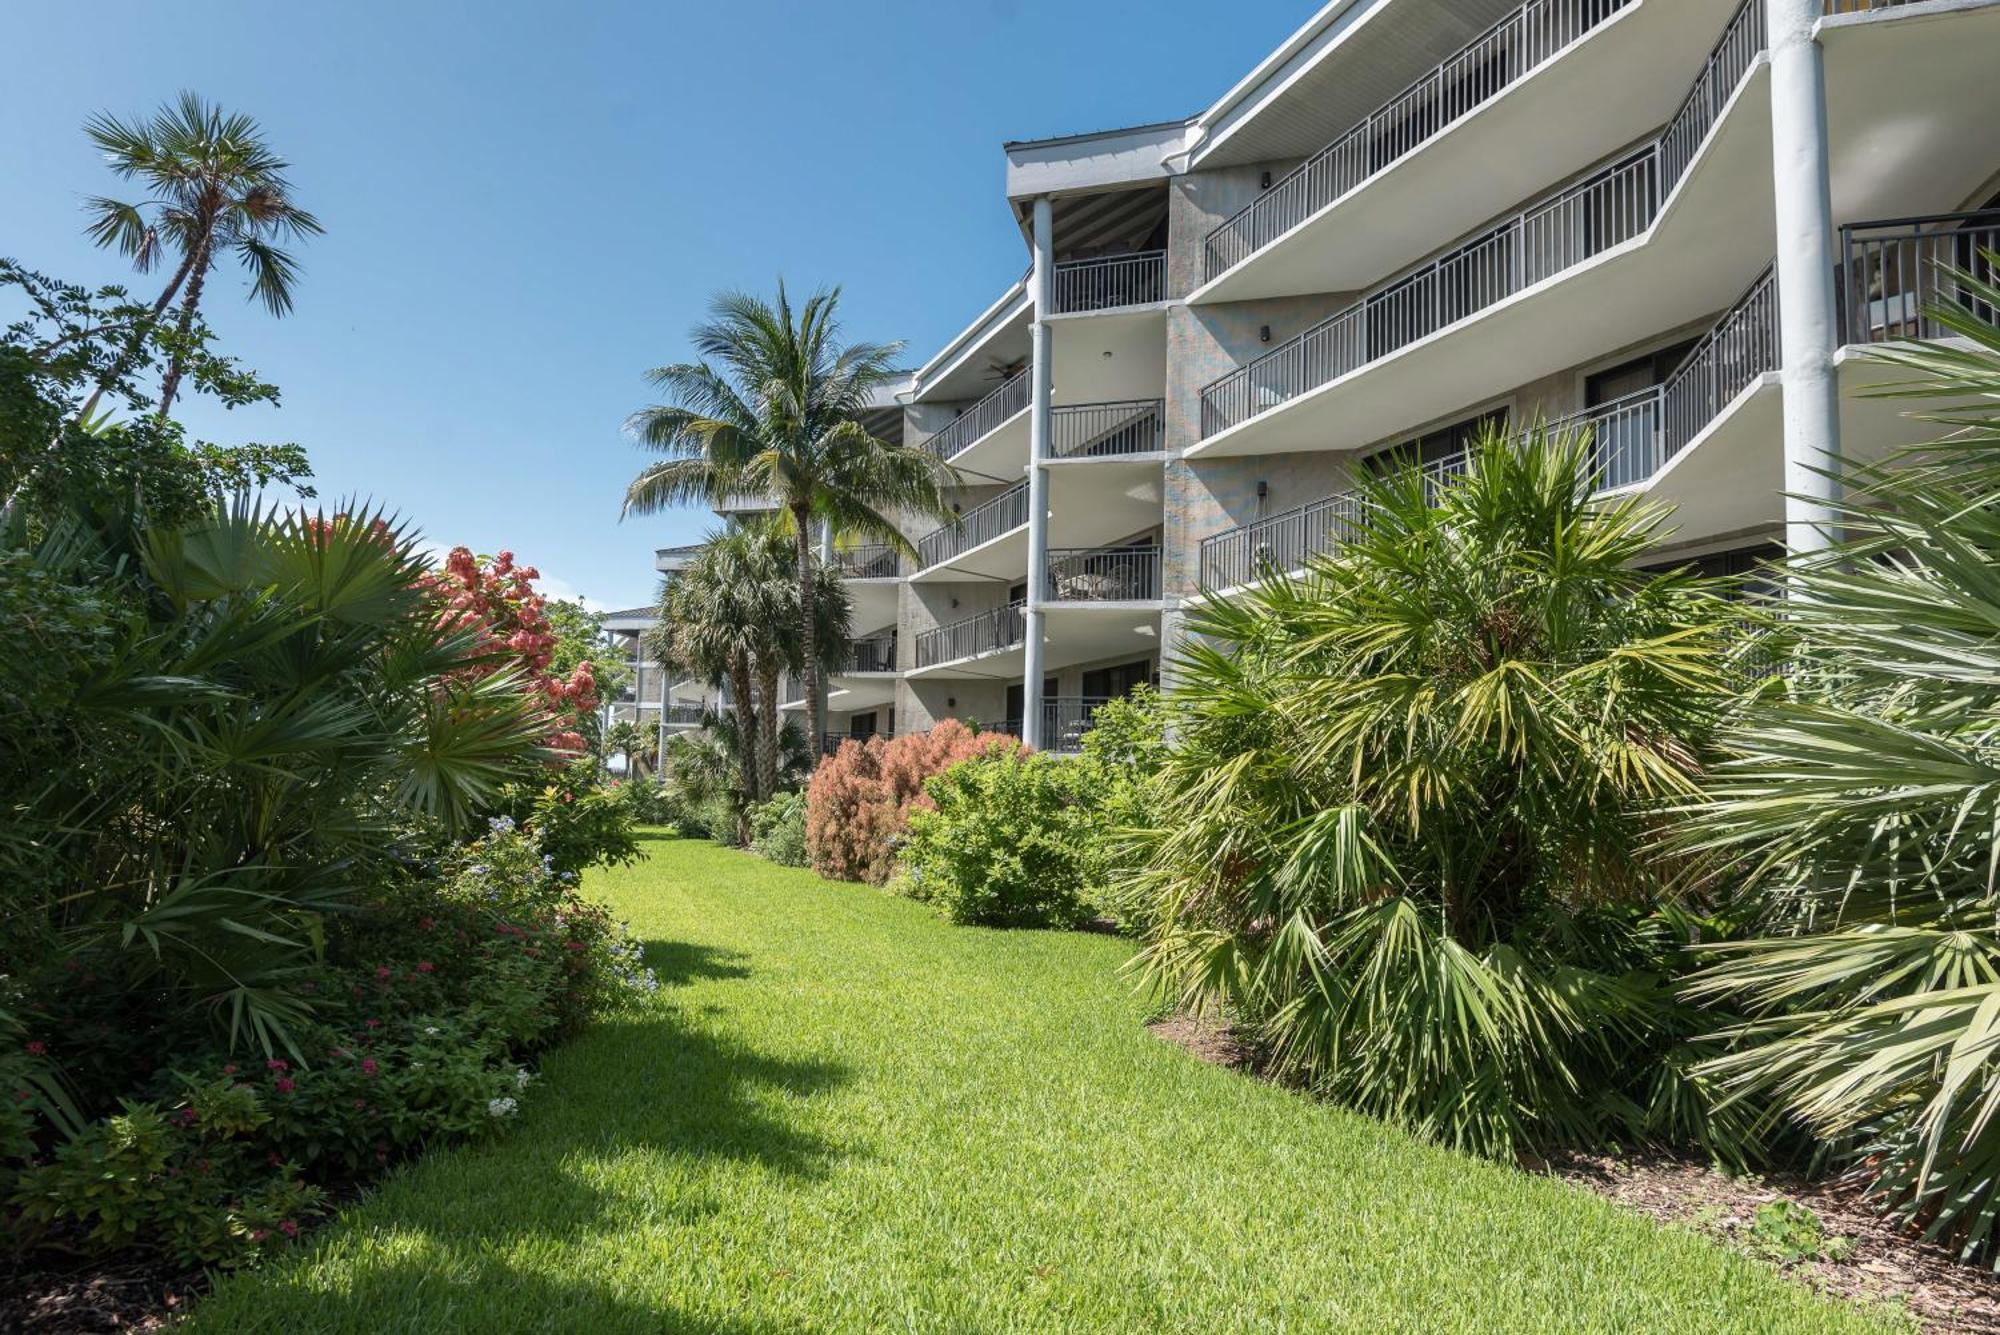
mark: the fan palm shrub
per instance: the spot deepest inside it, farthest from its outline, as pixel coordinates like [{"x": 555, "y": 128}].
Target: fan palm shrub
[
  {"x": 1859, "y": 809},
  {"x": 215, "y": 744},
  {"x": 1403, "y": 835}
]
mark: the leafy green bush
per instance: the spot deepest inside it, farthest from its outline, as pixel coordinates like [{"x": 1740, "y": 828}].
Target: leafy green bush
[
  {"x": 418, "y": 1040},
  {"x": 580, "y": 818},
  {"x": 778, "y": 829},
  {"x": 1406, "y": 829},
  {"x": 1010, "y": 840}
]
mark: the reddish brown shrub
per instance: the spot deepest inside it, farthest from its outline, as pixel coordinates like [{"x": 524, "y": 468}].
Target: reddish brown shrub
[{"x": 858, "y": 804}]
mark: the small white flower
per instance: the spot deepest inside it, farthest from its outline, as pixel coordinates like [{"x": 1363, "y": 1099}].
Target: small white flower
[
  {"x": 522, "y": 1077},
  {"x": 431, "y": 1029},
  {"x": 500, "y": 1107},
  {"x": 416, "y": 1066}
]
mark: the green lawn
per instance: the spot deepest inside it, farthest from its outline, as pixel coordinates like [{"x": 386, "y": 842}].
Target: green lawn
[{"x": 844, "y": 1114}]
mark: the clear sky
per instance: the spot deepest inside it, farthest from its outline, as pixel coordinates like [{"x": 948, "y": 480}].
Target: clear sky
[{"x": 528, "y": 203}]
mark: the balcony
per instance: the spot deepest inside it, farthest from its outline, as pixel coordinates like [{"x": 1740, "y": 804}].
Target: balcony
[
  {"x": 1010, "y": 400},
  {"x": 977, "y": 526},
  {"x": 1065, "y": 721},
  {"x": 829, "y": 742},
  {"x": 1103, "y": 575},
  {"x": 1894, "y": 273},
  {"x": 1505, "y": 54},
  {"x": 872, "y": 561},
  {"x": 678, "y": 715},
  {"x": 874, "y": 654},
  {"x": 1106, "y": 430},
  {"x": 1114, "y": 281},
  {"x": 1632, "y": 439},
  {"x": 988, "y": 633},
  {"x": 1609, "y": 212}
]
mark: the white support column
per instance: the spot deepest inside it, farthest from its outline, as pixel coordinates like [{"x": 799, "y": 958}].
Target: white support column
[
  {"x": 1040, "y": 386},
  {"x": 816, "y": 723},
  {"x": 1808, "y": 313}
]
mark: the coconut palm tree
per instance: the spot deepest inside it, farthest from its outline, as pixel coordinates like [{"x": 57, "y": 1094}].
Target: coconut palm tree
[
  {"x": 773, "y": 406},
  {"x": 212, "y": 187}
]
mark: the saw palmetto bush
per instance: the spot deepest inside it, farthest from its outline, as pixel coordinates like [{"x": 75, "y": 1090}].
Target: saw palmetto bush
[
  {"x": 1403, "y": 836},
  {"x": 1861, "y": 810},
  {"x": 213, "y": 739}
]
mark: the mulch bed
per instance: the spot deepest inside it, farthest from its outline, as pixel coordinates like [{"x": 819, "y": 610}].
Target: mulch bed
[
  {"x": 122, "y": 1298},
  {"x": 1887, "y": 1264}
]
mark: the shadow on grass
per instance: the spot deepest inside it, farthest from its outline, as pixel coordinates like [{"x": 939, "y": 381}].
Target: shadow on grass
[{"x": 641, "y": 1123}]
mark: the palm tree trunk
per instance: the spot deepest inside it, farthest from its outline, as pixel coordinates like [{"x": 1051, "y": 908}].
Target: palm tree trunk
[
  {"x": 767, "y": 725},
  {"x": 190, "y": 303},
  {"x": 808, "y": 623},
  {"x": 746, "y": 723}
]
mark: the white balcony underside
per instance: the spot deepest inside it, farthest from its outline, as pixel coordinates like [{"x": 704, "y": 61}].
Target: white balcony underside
[
  {"x": 1631, "y": 73},
  {"x": 850, "y": 691},
  {"x": 1075, "y": 633},
  {"x": 873, "y": 603}
]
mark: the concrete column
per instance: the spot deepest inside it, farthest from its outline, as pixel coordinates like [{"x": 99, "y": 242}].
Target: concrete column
[
  {"x": 816, "y": 724},
  {"x": 1808, "y": 314},
  {"x": 1040, "y": 385}
]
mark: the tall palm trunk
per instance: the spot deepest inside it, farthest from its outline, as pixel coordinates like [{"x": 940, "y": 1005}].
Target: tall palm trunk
[
  {"x": 190, "y": 303},
  {"x": 767, "y": 725},
  {"x": 740, "y": 683},
  {"x": 809, "y": 622}
]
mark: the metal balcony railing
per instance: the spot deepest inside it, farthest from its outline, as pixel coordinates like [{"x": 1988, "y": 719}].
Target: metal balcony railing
[
  {"x": 1502, "y": 56},
  {"x": 982, "y": 523},
  {"x": 975, "y": 422},
  {"x": 876, "y": 653},
  {"x": 1099, "y": 430},
  {"x": 1632, "y": 438},
  {"x": 1604, "y": 210},
  {"x": 987, "y": 633},
  {"x": 829, "y": 742},
  {"x": 1103, "y": 575},
  {"x": 873, "y": 561},
  {"x": 684, "y": 713},
  {"x": 1893, "y": 272},
  {"x": 1107, "y": 283},
  {"x": 1065, "y": 720}
]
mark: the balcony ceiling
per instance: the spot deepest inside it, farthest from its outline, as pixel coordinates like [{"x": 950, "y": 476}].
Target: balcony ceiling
[
  {"x": 1110, "y": 222},
  {"x": 1384, "y": 46}
]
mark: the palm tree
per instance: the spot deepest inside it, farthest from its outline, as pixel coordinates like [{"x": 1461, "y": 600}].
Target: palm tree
[
  {"x": 213, "y": 186},
  {"x": 774, "y": 407},
  {"x": 1403, "y": 834},
  {"x": 1860, "y": 809},
  {"x": 630, "y": 740}
]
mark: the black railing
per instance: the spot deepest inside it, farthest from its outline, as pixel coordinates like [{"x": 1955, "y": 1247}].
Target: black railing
[
  {"x": 1497, "y": 59},
  {"x": 1098, "y": 430},
  {"x": 982, "y": 417},
  {"x": 868, "y": 562},
  {"x": 683, "y": 713},
  {"x": 987, "y": 633},
  {"x": 1065, "y": 720},
  {"x": 1604, "y": 210},
  {"x": 1893, "y": 272},
  {"x": 829, "y": 742},
  {"x": 982, "y": 523},
  {"x": 876, "y": 653},
  {"x": 1107, "y": 283},
  {"x": 1104, "y": 575}
]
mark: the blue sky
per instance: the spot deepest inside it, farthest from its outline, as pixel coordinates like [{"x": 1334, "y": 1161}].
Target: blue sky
[{"x": 528, "y": 204}]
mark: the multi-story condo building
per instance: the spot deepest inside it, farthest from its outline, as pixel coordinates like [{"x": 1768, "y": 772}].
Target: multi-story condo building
[{"x": 1679, "y": 223}]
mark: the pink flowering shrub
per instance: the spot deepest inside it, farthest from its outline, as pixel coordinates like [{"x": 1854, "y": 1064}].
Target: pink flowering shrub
[
  {"x": 499, "y": 599},
  {"x": 858, "y": 805}
]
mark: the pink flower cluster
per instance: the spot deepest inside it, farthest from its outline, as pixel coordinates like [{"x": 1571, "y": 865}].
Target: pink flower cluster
[{"x": 499, "y": 600}]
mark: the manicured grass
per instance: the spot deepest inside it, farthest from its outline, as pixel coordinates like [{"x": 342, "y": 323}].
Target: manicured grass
[{"x": 844, "y": 1114}]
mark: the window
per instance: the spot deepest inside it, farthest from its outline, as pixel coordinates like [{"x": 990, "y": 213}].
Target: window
[{"x": 1437, "y": 448}]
